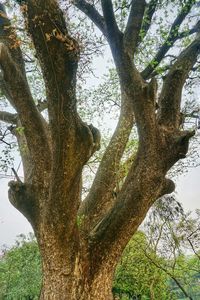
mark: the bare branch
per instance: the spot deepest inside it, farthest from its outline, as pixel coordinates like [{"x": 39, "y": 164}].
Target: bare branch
[
  {"x": 170, "y": 98},
  {"x": 8, "y": 117},
  {"x": 112, "y": 29},
  {"x": 90, "y": 11},
  {"x": 173, "y": 36},
  {"x": 133, "y": 27},
  {"x": 149, "y": 12},
  {"x": 193, "y": 30},
  {"x": 16, "y": 175}
]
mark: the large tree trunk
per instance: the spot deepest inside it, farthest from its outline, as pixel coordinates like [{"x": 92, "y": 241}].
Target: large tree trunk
[
  {"x": 58, "y": 286},
  {"x": 67, "y": 273}
]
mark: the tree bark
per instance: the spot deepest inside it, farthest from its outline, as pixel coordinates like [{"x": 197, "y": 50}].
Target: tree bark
[{"x": 67, "y": 273}]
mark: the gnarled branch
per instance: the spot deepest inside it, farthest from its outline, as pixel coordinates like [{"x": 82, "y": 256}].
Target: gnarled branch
[
  {"x": 24, "y": 104},
  {"x": 16, "y": 88}
]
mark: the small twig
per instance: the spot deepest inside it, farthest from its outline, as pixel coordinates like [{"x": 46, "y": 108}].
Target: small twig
[{"x": 16, "y": 175}]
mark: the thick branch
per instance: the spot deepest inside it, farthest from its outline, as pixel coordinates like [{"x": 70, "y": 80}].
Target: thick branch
[
  {"x": 142, "y": 187},
  {"x": 24, "y": 104},
  {"x": 114, "y": 35},
  {"x": 90, "y": 11},
  {"x": 144, "y": 184},
  {"x": 170, "y": 98},
  {"x": 109, "y": 17},
  {"x": 58, "y": 54},
  {"x": 5, "y": 90},
  {"x": 173, "y": 36},
  {"x": 101, "y": 196},
  {"x": 133, "y": 27},
  {"x": 8, "y": 117}
]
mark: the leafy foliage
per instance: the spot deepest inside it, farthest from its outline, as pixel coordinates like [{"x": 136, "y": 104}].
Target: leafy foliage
[
  {"x": 136, "y": 276},
  {"x": 20, "y": 271}
]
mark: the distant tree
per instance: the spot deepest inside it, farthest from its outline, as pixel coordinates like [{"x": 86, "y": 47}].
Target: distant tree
[
  {"x": 136, "y": 277},
  {"x": 81, "y": 241},
  {"x": 174, "y": 236},
  {"x": 20, "y": 271}
]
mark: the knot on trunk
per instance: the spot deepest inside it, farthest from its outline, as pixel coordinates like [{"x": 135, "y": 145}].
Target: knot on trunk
[
  {"x": 96, "y": 138},
  {"x": 168, "y": 187},
  {"x": 175, "y": 144},
  {"x": 88, "y": 141},
  {"x": 183, "y": 143},
  {"x": 21, "y": 197}
]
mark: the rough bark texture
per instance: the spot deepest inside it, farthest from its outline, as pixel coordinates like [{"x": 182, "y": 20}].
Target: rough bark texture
[{"x": 81, "y": 242}]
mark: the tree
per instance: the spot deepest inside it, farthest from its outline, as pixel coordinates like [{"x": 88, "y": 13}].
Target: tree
[
  {"x": 20, "y": 270},
  {"x": 136, "y": 276},
  {"x": 173, "y": 235},
  {"x": 81, "y": 241}
]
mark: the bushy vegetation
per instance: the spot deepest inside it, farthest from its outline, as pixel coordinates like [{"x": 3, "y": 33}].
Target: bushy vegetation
[{"x": 139, "y": 275}]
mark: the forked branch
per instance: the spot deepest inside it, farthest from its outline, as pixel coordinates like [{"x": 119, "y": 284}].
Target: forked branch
[{"x": 18, "y": 92}]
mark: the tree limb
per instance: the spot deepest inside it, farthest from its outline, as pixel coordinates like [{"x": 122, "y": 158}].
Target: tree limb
[
  {"x": 157, "y": 265},
  {"x": 129, "y": 209},
  {"x": 23, "y": 103},
  {"x": 8, "y": 117},
  {"x": 101, "y": 197},
  {"x": 149, "y": 12},
  {"x": 133, "y": 27},
  {"x": 170, "y": 97},
  {"x": 90, "y": 11},
  {"x": 58, "y": 54},
  {"x": 173, "y": 36},
  {"x": 114, "y": 35}
]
